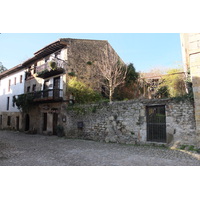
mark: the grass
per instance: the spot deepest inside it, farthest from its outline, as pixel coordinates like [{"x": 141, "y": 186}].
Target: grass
[{"x": 189, "y": 148}]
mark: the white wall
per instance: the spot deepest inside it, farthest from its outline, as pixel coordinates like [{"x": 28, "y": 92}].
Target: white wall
[{"x": 14, "y": 90}]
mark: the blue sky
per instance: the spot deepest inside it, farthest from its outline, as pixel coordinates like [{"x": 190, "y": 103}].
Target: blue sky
[{"x": 144, "y": 50}]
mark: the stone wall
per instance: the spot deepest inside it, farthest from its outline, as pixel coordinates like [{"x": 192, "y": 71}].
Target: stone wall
[
  {"x": 126, "y": 122},
  {"x": 191, "y": 57},
  {"x": 84, "y": 58},
  {"x": 14, "y": 124}
]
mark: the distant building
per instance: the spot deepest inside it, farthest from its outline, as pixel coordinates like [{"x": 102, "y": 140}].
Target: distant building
[
  {"x": 153, "y": 80},
  {"x": 151, "y": 84}
]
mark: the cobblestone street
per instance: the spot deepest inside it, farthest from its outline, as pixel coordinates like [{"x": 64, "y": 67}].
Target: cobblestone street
[{"x": 20, "y": 149}]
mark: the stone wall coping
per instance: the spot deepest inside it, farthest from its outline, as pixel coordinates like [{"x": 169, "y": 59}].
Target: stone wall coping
[{"x": 142, "y": 101}]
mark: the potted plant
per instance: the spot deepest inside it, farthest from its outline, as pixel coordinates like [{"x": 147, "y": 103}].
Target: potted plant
[
  {"x": 53, "y": 65},
  {"x": 60, "y": 131}
]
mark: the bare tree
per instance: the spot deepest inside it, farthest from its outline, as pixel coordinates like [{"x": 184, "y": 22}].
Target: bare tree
[{"x": 114, "y": 74}]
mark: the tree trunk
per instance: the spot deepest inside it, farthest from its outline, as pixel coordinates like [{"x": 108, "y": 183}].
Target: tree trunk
[{"x": 110, "y": 94}]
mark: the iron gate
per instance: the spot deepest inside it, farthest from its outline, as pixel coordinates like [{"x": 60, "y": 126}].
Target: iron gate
[{"x": 156, "y": 124}]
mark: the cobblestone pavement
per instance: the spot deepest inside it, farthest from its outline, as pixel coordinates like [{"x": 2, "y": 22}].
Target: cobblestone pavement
[{"x": 20, "y": 149}]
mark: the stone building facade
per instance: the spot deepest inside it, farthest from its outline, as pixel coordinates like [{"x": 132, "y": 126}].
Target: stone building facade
[
  {"x": 128, "y": 122},
  {"x": 191, "y": 57},
  {"x": 48, "y": 72}
]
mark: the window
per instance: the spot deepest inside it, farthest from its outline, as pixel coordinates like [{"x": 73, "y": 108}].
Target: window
[
  {"x": 8, "y": 102},
  {"x": 46, "y": 59},
  {"x": 28, "y": 89},
  {"x": 13, "y": 101},
  {"x": 34, "y": 88},
  {"x": 15, "y": 81},
  {"x": 57, "y": 54},
  {"x": 44, "y": 121},
  {"x": 9, "y": 84},
  {"x": 1, "y": 119},
  {"x": 45, "y": 88},
  {"x": 20, "y": 78},
  {"x": 34, "y": 70},
  {"x": 9, "y": 120},
  {"x": 46, "y": 85}
]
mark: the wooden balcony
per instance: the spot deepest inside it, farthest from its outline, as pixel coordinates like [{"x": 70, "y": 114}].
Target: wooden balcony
[
  {"x": 48, "y": 95},
  {"x": 50, "y": 69}
]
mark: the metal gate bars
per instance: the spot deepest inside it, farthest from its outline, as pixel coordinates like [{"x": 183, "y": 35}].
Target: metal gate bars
[{"x": 156, "y": 124}]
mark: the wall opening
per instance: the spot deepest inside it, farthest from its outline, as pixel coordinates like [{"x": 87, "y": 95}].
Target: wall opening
[
  {"x": 44, "y": 122},
  {"x": 1, "y": 119},
  {"x": 9, "y": 121},
  {"x": 55, "y": 122},
  {"x": 27, "y": 122},
  {"x": 17, "y": 123},
  {"x": 156, "y": 123},
  {"x": 56, "y": 87}
]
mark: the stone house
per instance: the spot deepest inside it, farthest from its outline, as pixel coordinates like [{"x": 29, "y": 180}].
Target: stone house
[{"x": 47, "y": 74}]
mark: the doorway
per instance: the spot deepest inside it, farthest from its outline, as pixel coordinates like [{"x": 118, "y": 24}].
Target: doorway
[
  {"x": 156, "y": 124},
  {"x": 44, "y": 128},
  {"x": 56, "y": 87},
  {"x": 27, "y": 121},
  {"x": 55, "y": 123},
  {"x": 17, "y": 123},
  {"x": 45, "y": 88}
]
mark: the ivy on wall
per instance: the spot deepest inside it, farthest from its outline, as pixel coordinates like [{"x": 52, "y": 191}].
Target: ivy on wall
[
  {"x": 81, "y": 92},
  {"x": 23, "y": 102}
]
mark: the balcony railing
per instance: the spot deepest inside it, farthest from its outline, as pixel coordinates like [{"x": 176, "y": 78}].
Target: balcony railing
[
  {"x": 50, "y": 69},
  {"x": 46, "y": 95}
]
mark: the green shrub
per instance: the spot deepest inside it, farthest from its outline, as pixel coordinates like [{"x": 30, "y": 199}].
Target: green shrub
[
  {"x": 24, "y": 102},
  {"x": 163, "y": 92},
  {"x": 60, "y": 131},
  {"x": 89, "y": 63},
  {"x": 52, "y": 65},
  {"x": 182, "y": 147},
  {"x": 71, "y": 74},
  {"x": 42, "y": 72},
  {"x": 81, "y": 92},
  {"x": 191, "y": 148}
]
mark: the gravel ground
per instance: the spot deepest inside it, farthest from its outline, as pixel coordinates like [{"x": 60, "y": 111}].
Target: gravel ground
[{"x": 20, "y": 149}]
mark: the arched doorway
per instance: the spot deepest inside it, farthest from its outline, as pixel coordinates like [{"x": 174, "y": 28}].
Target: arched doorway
[{"x": 27, "y": 121}]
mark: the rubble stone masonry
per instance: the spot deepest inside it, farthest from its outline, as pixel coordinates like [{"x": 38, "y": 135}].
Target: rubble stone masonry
[{"x": 126, "y": 122}]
